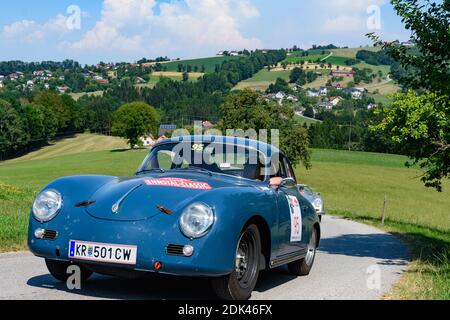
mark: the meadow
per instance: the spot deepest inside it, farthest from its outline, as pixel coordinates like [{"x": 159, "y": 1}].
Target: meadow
[
  {"x": 296, "y": 59},
  {"x": 78, "y": 95},
  {"x": 351, "y": 52},
  {"x": 209, "y": 63},
  {"x": 262, "y": 80}
]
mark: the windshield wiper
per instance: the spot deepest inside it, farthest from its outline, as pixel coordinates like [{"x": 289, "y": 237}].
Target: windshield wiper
[
  {"x": 195, "y": 168},
  {"x": 151, "y": 170}
]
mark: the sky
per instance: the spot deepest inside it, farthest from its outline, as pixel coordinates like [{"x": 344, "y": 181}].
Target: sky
[{"x": 91, "y": 31}]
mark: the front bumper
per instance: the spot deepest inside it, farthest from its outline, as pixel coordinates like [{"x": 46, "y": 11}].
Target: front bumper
[{"x": 211, "y": 257}]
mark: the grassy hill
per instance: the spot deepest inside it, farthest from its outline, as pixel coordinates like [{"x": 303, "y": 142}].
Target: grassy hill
[
  {"x": 262, "y": 80},
  {"x": 351, "y": 52},
  {"x": 209, "y": 63},
  {"x": 79, "y": 143}
]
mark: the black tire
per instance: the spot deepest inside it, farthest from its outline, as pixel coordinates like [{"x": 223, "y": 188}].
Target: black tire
[
  {"x": 239, "y": 285},
  {"x": 303, "y": 266},
  {"x": 58, "y": 269}
]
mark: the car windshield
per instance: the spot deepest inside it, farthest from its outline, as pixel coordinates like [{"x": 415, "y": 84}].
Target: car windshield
[{"x": 212, "y": 157}]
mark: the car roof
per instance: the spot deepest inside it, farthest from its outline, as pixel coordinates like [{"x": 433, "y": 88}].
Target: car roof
[{"x": 267, "y": 149}]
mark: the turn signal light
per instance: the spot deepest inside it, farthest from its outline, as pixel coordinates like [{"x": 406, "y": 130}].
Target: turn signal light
[{"x": 158, "y": 265}]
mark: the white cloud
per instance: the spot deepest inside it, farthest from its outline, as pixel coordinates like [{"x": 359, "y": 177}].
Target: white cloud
[
  {"x": 343, "y": 23},
  {"x": 351, "y": 5},
  {"x": 247, "y": 10},
  {"x": 208, "y": 23},
  {"x": 345, "y": 15},
  {"x": 30, "y": 31},
  {"x": 200, "y": 24},
  {"x": 126, "y": 12}
]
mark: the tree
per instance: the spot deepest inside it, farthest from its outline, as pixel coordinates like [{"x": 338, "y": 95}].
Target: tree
[
  {"x": 295, "y": 75},
  {"x": 419, "y": 121},
  {"x": 185, "y": 76},
  {"x": 54, "y": 102},
  {"x": 12, "y": 133},
  {"x": 247, "y": 110},
  {"x": 244, "y": 110},
  {"x": 135, "y": 120},
  {"x": 309, "y": 112},
  {"x": 279, "y": 85}
]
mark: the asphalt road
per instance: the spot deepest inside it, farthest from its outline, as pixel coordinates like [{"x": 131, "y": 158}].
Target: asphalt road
[{"x": 355, "y": 261}]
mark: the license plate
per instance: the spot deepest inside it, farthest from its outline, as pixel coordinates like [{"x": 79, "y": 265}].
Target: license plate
[{"x": 103, "y": 252}]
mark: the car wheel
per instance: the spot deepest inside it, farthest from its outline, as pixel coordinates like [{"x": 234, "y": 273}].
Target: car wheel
[
  {"x": 58, "y": 269},
  {"x": 303, "y": 266},
  {"x": 240, "y": 284}
]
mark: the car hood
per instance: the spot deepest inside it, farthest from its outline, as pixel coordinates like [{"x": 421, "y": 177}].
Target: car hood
[{"x": 138, "y": 198}]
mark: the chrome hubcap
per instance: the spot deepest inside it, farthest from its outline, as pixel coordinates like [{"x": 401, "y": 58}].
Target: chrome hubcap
[
  {"x": 241, "y": 262},
  {"x": 311, "y": 249}
]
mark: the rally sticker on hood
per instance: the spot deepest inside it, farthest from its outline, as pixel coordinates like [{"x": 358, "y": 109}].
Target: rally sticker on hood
[{"x": 178, "y": 183}]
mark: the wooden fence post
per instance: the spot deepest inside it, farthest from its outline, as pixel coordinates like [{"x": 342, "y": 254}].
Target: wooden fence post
[{"x": 383, "y": 215}]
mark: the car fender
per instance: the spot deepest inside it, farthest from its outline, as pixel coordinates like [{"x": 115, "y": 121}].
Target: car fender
[{"x": 234, "y": 207}]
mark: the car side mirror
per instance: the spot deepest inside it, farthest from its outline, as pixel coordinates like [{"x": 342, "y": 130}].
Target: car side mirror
[{"x": 278, "y": 182}]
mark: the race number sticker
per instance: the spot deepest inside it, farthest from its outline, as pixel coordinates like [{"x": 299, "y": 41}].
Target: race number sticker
[
  {"x": 296, "y": 218},
  {"x": 198, "y": 147}
]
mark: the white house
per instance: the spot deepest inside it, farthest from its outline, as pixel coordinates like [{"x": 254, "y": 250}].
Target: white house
[
  {"x": 325, "y": 105},
  {"x": 62, "y": 89},
  {"x": 312, "y": 93},
  {"x": 357, "y": 94},
  {"x": 140, "y": 80},
  {"x": 291, "y": 97},
  {"x": 336, "y": 100},
  {"x": 30, "y": 83},
  {"x": 1, "y": 84},
  {"x": 46, "y": 86},
  {"x": 371, "y": 106},
  {"x": 323, "y": 91},
  {"x": 13, "y": 76},
  {"x": 280, "y": 95}
]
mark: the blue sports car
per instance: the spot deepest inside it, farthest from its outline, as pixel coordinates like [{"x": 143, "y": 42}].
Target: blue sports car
[{"x": 210, "y": 206}]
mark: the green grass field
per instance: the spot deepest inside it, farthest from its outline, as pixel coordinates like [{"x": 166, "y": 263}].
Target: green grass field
[
  {"x": 78, "y": 95},
  {"x": 209, "y": 63},
  {"x": 383, "y": 99},
  {"x": 357, "y": 182},
  {"x": 337, "y": 60},
  {"x": 262, "y": 80},
  {"x": 155, "y": 79},
  {"x": 302, "y": 120},
  {"x": 296, "y": 59},
  {"x": 79, "y": 143},
  {"x": 351, "y": 52}
]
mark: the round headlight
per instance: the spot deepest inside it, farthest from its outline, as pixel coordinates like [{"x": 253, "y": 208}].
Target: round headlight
[
  {"x": 318, "y": 204},
  {"x": 196, "y": 220},
  {"x": 47, "y": 205}
]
